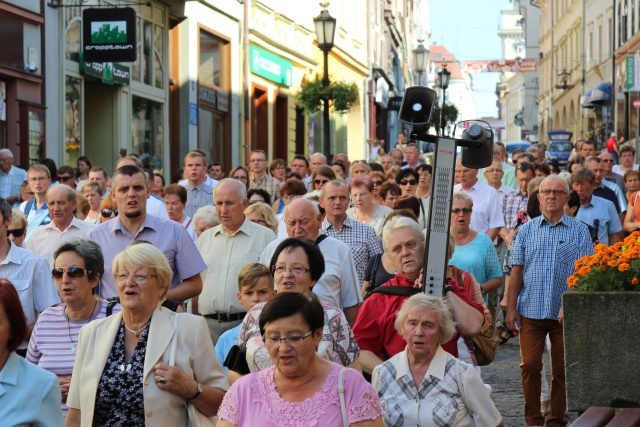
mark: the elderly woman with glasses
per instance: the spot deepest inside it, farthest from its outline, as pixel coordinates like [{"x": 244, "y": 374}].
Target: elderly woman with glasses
[
  {"x": 296, "y": 266},
  {"x": 423, "y": 384},
  {"x": 262, "y": 214},
  {"x": 124, "y": 375},
  {"x": 408, "y": 180},
  {"x": 301, "y": 388},
  {"x": 364, "y": 209},
  {"x": 78, "y": 267},
  {"x": 30, "y": 395}
]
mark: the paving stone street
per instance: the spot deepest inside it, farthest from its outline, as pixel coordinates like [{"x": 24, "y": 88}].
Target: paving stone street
[{"x": 503, "y": 375}]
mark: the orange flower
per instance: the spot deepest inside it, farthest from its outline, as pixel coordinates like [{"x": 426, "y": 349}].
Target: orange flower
[
  {"x": 572, "y": 281},
  {"x": 599, "y": 247},
  {"x": 584, "y": 270},
  {"x": 613, "y": 263},
  {"x": 623, "y": 266},
  {"x": 635, "y": 281}
]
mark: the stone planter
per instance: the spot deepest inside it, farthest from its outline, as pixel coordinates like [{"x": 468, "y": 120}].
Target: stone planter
[{"x": 602, "y": 349}]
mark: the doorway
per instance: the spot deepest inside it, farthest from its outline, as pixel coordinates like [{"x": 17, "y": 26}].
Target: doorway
[
  {"x": 101, "y": 124},
  {"x": 260, "y": 120}
]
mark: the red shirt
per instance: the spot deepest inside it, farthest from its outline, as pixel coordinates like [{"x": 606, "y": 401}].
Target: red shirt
[{"x": 375, "y": 330}]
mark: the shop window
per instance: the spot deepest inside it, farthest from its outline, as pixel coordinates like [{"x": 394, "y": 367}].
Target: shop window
[
  {"x": 72, "y": 40},
  {"x": 72, "y": 122},
  {"x": 147, "y": 132},
  {"x": 158, "y": 48},
  {"x": 211, "y": 132}
]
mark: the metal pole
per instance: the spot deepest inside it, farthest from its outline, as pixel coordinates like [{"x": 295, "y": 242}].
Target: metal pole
[
  {"x": 326, "y": 124},
  {"x": 444, "y": 96}
]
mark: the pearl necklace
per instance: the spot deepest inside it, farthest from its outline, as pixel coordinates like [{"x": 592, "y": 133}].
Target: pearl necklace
[
  {"x": 136, "y": 332},
  {"x": 74, "y": 345}
]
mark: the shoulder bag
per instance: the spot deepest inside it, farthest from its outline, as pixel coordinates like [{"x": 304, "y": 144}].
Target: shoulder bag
[
  {"x": 343, "y": 405},
  {"x": 196, "y": 418},
  {"x": 483, "y": 346}
]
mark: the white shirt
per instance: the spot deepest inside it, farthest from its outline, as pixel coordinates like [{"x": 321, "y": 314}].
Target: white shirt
[
  {"x": 209, "y": 181},
  {"x": 487, "y": 210},
  {"x": 157, "y": 208},
  {"x": 503, "y": 191},
  {"x": 339, "y": 285},
  {"x": 47, "y": 238},
  {"x": 616, "y": 169}
]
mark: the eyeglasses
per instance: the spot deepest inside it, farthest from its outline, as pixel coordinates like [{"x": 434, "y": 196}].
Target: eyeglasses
[
  {"x": 65, "y": 178},
  {"x": 359, "y": 196},
  {"x": 320, "y": 181},
  {"x": 377, "y": 183},
  {"x": 253, "y": 202},
  {"x": 138, "y": 279},
  {"x": 72, "y": 272},
  {"x": 108, "y": 212},
  {"x": 607, "y": 160},
  {"x": 240, "y": 178},
  {"x": 408, "y": 182},
  {"x": 295, "y": 270},
  {"x": 547, "y": 192},
  {"x": 293, "y": 341},
  {"x": 18, "y": 232},
  {"x": 465, "y": 211}
]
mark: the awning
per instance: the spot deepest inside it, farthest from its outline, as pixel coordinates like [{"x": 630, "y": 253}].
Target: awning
[
  {"x": 586, "y": 100},
  {"x": 602, "y": 94}
]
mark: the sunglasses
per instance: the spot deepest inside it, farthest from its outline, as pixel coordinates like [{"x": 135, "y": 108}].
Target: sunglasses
[
  {"x": 320, "y": 181},
  {"x": 65, "y": 178},
  {"x": 408, "y": 182},
  {"x": 253, "y": 202},
  {"x": 108, "y": 212},
  {"x": 72, "y": 272},
  {"x": 377, "y": 183},
  {"x": 18, "y": 232}
]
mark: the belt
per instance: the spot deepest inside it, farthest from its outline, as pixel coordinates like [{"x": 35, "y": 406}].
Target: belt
[{"x": 225, "y": 317}]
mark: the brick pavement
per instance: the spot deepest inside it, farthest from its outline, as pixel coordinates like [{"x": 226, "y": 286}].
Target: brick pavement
[{"x": 503, "y": 375}]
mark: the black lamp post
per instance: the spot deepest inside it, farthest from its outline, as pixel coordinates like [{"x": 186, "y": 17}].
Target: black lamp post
[
  {"x": 443, "y": 76},
  {"x": 325, "y": 32},
  {"x": 420, "y": 59}
]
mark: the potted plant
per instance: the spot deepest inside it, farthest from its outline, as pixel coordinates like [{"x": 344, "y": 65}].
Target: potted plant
[
  {"x": 342, "y": 95},
  {"x": 601, "y": 327}
]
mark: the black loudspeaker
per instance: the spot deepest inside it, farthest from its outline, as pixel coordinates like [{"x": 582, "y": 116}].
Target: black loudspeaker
[
  {"x": 417, "y": 105},
  {"x": 480, "y": 153}
]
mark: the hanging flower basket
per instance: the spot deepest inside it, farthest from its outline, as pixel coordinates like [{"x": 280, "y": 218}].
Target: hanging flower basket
[{"x": 342, "y": 96}]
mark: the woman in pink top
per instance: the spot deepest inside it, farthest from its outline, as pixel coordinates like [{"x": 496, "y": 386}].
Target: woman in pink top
[{"x": 301, "y": 388}]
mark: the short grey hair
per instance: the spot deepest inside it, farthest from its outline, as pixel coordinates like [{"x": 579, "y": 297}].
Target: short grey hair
[
  {"x": 318, "y": 155},
  {"x": 562, "y": 180},
  {"x": 89, "y": 251},
  {"x": 71, "y": 193},
  {"x": 420, "y": 302},
  {"x": 398, "y": 222},
  {"x": 461, "y": 195},
  {"x": 334, "y": 183},
  {"x": 7, "y": 152},
  {"x": 207, "y": 214},
  {"x": 240, "y": 188}
]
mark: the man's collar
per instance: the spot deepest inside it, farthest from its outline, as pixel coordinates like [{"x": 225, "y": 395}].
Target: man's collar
[
  {"x": 346, "y": 222},
  {"x": 257, "y": 178},
  {"x": 12, "y": 256},
  {"x": 147, "y": 222},
  {"x": 472, "y": 187},
  {"x": 73, "y": 223},
  {"x": 246, "y": 228}
]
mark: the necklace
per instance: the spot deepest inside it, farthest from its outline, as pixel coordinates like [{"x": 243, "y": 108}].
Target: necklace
[
  {"x": 465, "y": 241},
  {"x": 74, "y": 345},
  {"x": 136, "y": 332}
]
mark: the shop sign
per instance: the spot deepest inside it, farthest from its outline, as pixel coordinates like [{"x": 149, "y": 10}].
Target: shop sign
[
  {"x": 108, "y": 72},
  {"x": 632, "y": 68},
  {"x": 394, "y": 103},
  {"x": 109, "y": 35},
  {"x": 223, "y": 102},
  {"x": 270, "y": 66},
  {"x": 207, "y": 95}
]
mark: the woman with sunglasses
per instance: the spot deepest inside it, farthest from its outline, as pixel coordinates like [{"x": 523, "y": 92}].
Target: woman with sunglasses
[
  {"x": 365, "y": 209},
  {"x": 296, "y": 266},
  {"x": 108, "y": 209},
  {"x": 377, "y": 178},
  {"x": 408, "y": 180},
  {"x": 321, "y": 176},
  {"x": 17, "y": 230},
  {"x": 78, "y": 267}
]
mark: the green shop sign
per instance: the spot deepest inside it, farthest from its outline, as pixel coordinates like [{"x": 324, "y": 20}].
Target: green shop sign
[
  {"x": 108, "y": 72},
  {"x": 270, "y": 66}
]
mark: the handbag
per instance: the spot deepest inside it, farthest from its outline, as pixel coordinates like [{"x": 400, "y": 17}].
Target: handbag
[
  {"x": 196, "y": 418},
  {"x": 483, "y": 346}
]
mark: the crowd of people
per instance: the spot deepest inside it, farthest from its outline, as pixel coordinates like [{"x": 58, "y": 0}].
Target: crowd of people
[{"x": 287, "y": 293}]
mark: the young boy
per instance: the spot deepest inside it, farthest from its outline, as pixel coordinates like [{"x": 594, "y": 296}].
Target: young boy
[{"x": 255, "y": 285}]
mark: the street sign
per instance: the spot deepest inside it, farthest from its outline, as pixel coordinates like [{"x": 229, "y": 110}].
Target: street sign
[
  {"x": 270, "y": 66},
  {"x": 636, "y": 103}
]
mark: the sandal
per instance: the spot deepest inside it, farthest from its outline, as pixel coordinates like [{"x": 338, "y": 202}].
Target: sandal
[{"x": 505, "y": 336}]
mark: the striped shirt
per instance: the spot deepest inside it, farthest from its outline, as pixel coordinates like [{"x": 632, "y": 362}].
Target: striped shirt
[
  {"x": 54, "y": 336},
  {"x": 266, "y": 183},
  {"x": 511, "y": 205},
  {"x": 548, "y": 253}
]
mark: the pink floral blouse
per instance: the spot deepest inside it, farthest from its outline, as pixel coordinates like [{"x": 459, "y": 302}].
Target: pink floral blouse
[
  {"x": 337, "y": 344},
  {"x": 254, "y": 400}
]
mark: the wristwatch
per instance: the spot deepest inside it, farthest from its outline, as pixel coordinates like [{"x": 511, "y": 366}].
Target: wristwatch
[
  {"x": 447, "y": 289},
  {"x": 198, "y": 391}
]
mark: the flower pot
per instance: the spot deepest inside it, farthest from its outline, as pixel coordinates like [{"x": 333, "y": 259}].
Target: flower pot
[{"x": 601, "y": 347}]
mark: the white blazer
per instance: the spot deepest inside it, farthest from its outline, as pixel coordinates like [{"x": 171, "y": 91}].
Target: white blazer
[{"x": 195, "y": 355}]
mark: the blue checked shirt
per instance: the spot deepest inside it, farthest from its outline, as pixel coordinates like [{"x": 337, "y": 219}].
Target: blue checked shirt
[
  {"x": 361, "y": 238},
  {"x": 198, "y": 197},
  {"x": 548, "y": 254},
  {"x": 11, "y": 183}
]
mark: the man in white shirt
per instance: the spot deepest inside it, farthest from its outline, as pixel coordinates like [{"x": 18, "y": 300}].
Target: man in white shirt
[
  {"x": 487, "y": 212},
  {"x": 494, "y": 175},
  {"x": 339, "y": 285},
  {"x": 61, "y": 202}
]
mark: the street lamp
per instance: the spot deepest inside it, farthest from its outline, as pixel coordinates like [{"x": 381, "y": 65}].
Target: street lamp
[
  {"x": 325, "y": 32},
  {"x": 420, "y": 59},
  {"x": 443, "y": 77}
]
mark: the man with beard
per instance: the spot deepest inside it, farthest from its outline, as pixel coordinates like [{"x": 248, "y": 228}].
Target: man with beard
[{"x": 130, "y": 190}]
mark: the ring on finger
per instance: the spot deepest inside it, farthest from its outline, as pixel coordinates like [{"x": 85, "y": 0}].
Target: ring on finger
[{"x": 162, "y": 380}]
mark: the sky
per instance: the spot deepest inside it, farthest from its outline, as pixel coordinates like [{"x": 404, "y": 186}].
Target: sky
[{"x": 469, "y": 30}]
